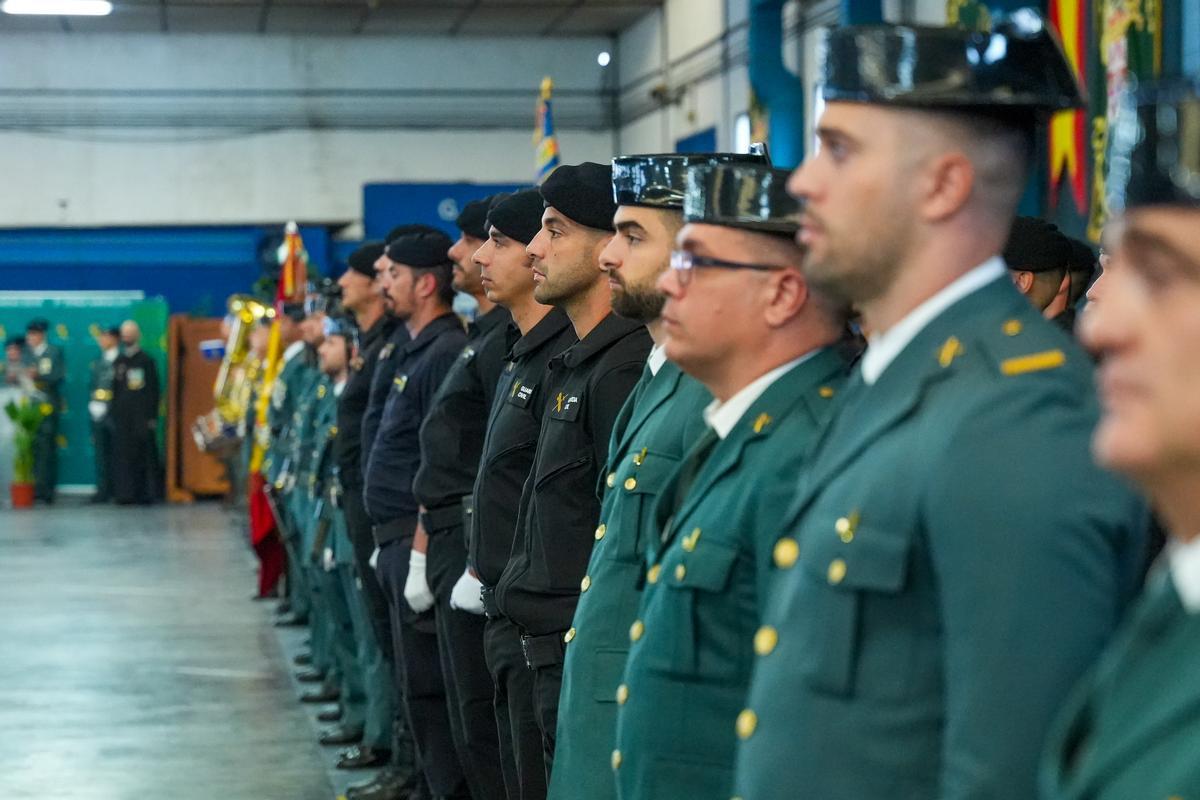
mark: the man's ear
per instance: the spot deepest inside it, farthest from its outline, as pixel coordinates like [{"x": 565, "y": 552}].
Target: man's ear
[
  {"x": 598, "y": 247},
  {"x": 945, "y": 186},
  {"x": 787, "y": 296},
  {"x": 1023, "y": 280}
]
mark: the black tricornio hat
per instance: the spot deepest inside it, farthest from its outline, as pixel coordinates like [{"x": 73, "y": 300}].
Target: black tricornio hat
[
  {"x": 38, "y": 325},
  {"x": 519, "y": 215},
  {"x": 1156, "y": 147},
  {"x": 753, "y": 197},
  {"x": 473, "y": 217},
  {"x": 660, "y": 180},
  {"x": 339, "y": 324},
  {"x": 1018, "y": 66},
  {"x": 1035, "y": 245},
  {"x": 363, "y": 259},
  {"x": 15, "y": 341},
  {"x": 403, "y": 230},
  {"x": 113, "y": 330},
  {"x": 294, "y": 311},
  {"x": 583, "y": 193},
  {"x": 421, "y": 250}
]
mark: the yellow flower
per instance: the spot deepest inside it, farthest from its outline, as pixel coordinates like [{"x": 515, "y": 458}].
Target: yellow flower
[{"x": 46, "y": 409}]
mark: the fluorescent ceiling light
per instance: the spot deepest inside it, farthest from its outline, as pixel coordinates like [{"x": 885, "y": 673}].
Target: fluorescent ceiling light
[{"x": 58, "y": 8}]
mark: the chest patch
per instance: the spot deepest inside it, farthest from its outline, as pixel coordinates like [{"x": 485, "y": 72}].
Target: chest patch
[
  {"x": 45, "y": 366},
  {"x": 400, "y": 382},
  {"x": 136, "y": 378},
  {"x": 386, "y": 352},
  {"x": 521, "y": 393},
  {"x": 565, "y": 406}
]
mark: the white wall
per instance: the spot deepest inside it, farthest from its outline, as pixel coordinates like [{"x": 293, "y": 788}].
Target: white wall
[
  {"x": 148, "y": 177},
  {"x": 132, "y": 129}
]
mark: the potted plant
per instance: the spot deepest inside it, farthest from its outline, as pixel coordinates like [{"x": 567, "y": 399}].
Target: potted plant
[{"x": 26, "y": 417}]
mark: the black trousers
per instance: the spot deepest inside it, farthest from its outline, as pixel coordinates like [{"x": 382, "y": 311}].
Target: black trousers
[
  {"x": 469, "y": 690},
  {"x": 45, "y": 458},
  {"x": 521, "y": 750},
  {"x": 358, "y": 527},
  {"x": 547, "y": 686},
  {"x": 102, "y": 436},
  {"x": 423, "y": 688}
]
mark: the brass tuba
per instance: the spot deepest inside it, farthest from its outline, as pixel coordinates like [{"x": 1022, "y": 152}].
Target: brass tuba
[{"x": 231, "y": 391}]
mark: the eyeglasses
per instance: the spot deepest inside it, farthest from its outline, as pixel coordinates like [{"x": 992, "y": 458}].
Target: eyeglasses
[{"x": 685, "y": 263}]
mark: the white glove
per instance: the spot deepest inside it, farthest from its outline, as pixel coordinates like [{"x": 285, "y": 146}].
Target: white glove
[
  {"x": 329, "y": 563},
  {"x": 97, "y": 409},
  {"x": 466, "y": 594},
  {"x": 373, "y": 561},
  {"x": 416, "y": 588}
]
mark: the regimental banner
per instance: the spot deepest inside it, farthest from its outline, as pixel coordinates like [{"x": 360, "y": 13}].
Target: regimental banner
[{"x": 1108, "y": 43}]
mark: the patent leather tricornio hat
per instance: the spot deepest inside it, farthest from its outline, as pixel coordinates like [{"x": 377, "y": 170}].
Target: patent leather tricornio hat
[
  {"x": 660, "y": 180},
  {"x": 749, "y": 196},
  {"x": 1018, "y": 65}
]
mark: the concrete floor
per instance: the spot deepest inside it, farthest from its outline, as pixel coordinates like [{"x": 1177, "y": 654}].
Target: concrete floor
[{"x": 134, "y": 666}]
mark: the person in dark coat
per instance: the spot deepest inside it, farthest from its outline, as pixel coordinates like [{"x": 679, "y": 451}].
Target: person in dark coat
[{"x": 134, "y": 415}]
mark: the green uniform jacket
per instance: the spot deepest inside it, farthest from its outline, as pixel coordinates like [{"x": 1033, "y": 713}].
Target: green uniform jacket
[
  {"x": 294, "y": 376},
  {"x": 322, "y": 488},
  {"x": 101, "y": 384},
  {"x": 660, "y": 421},
  {"x": 51, "y": 371},
  {"x": 1132, "y": 731},
  {"x": 952, "y": 565},
  {"x": 314, "y": 394},
  {"x": 694, "y": 638}
]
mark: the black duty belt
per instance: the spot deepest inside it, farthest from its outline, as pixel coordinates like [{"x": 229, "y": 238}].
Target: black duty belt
[
  {"x": 543, "y": 651},
  {"x": 442, "y": 518},
  {"x": 394, "y": 529}
]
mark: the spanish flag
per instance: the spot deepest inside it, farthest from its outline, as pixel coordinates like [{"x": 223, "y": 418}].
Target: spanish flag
[{"x": 545, "y": 142}]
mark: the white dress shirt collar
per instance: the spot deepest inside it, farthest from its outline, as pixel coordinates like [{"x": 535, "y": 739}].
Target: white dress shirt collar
[
  {"x": 293, "y": 350},
  {"x": 722, "y": 417},
  {"x": 656, "y": 359},
  {"x": 338, "y": 387},
  {"x": 1184, "y": 561},
  {"x": 885, "y": 346}
]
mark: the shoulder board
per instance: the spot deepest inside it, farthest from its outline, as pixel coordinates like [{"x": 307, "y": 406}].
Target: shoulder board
[{"x": 1019, "y": 349}]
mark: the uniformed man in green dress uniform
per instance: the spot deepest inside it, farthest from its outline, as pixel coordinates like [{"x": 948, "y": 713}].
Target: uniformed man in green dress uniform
[
  {"x": 47, "y": 369},
  {"x": 297, "y": 369},
  {"x": 100, "y": 389},
  {"x": 934, "y": 595},
  {"x": 655, "y": 427},
  {"x": 1132, "y": 729},
  {"x": 334, "y": 572},
  {"x": 741, "y": 319}
]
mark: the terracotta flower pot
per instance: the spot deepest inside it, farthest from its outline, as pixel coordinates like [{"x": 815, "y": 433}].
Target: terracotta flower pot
[{"x": 22, "y": 495}]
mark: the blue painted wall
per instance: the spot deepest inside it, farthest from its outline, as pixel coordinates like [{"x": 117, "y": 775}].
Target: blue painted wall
[
  {"x": 386, "y": 205},
  {"x": 194, "y": 269}
]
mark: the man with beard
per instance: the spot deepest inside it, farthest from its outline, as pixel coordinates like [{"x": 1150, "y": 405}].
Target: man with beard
[
  {"x": 1131, "y": 728},
  {"x": 587, "y": 384},
  {"x": 418, "y": 282},
  {"x": 933, "y": 597},
  {"x": 451, "y": 444},
  {"x": 658, "y": 423},
  {"x": 740, "y": 319},
  {"x": 135, "y": 419},
  {"x": 541, "y": 332}
]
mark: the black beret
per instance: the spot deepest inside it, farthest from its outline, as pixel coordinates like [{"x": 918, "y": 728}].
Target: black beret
[
  {"x": 403, "y": 230},
  {"x": 1083, "y": 257},
  {"x": 363, "y": 259},
  {"x": 38, "y": 325},
  {"x": 1018, "y": 66},
  {"x": 660, "y": 181},
  {"x": 421, "y": 250},
  {"x": 753, "y": 197},
  {"x": 294, "y": 311},
  {"x": 519, "y": 215},
  {"x": 582, "y": 192},
  {"x": 1156, "y": 147},
  {"x": 1035, "y": 245},
  {"x": 473, "y": 217},
  {"x": 15, "y": 341}
]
